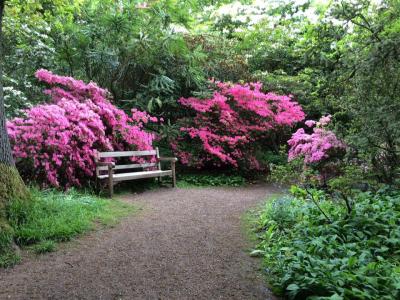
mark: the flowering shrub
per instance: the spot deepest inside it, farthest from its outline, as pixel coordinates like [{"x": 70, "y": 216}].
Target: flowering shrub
[
  {"x": 58, "y": 141},
  {"x": 229, "y": 127},
  {"x": 317, "y": 146}
]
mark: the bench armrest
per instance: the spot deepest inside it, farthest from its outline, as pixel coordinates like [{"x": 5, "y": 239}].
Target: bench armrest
[
  {"x": 105, "y": 164},
  {"x": 171, "y": 159}
]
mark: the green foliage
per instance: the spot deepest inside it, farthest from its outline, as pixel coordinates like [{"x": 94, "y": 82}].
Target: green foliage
[
  {"x": 52, "y": 217},
  {"x": 57, "y": 216},
  {"x": 336, "y": 57},
  {"x": 9, "y": 259},
  {"x": 286, "y": 174},
  {"x": 6, "y": 237},
  {"x": 28, "y": 45},
  {"x": 352, "y": 179},
  {"x": 222, "y": 60},
  {"x": 190, "y": 180},
  {"x": 139, "y": 55},
  {"x": 282, "y": 172},
  {"x": 370, "y": 73},
  {"x": 345, "y": 63},
  {"x": 44, "y": 247},
  {"x": 351, "y": 257}
]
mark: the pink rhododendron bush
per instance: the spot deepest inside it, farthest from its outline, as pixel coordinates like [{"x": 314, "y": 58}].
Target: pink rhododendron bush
[
  {"x": 229, "y": 128},
  {"x": 318, "y": 146},
  {"x": 55, "y": 144},
  {"x": 320, "y": 150}
]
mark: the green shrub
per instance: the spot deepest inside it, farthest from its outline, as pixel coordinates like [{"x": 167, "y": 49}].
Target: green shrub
[
  {"x": 189, "y": 180},
  {"x": 353, "y": 256},
  {"x": 286, "y": 173}
]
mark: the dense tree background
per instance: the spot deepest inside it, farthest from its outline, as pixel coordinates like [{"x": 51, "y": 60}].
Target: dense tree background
[{"x": 340, "y": 58}]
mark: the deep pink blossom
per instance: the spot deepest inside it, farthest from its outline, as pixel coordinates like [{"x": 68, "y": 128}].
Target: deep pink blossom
[
  {"x": 230, "y": 125},
  {"x": 58, "y": 141}
]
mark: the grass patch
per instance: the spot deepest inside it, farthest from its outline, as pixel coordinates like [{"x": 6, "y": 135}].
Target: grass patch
[
  {"x": 44, "y": 247},
  {"x": 53, "y": 216},
  {"x": 9, "y": 259},
  {"x": 60, "y": 216}
]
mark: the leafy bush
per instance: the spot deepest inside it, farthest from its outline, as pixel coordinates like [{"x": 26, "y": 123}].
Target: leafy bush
[
  {"x": 230, "y": 127},
  {"x": 353, "y": 256},
  {"x": 286, "y": 173},
  {"x": 318, "y": 146},
  {"x": 56, "y": 143},
  {"x": 321, "y": 151}
]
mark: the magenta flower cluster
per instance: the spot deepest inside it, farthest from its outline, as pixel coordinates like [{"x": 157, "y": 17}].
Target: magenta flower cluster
[
  {"x": 317, "y": 146},
  {"x": 56, "y": 143},
  {"x": 227, "y": 128}
]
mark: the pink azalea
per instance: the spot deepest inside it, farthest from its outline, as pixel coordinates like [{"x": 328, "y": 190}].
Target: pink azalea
[
  {"x": 230, "y": 123},
  {"x": 61, "y": 139},
  {"x": 310, "y": 123},
  {"x": 317, "y": 146}
]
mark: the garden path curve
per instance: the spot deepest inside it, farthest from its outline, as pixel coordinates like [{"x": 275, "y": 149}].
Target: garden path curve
[{"x": 183, "y": 244}]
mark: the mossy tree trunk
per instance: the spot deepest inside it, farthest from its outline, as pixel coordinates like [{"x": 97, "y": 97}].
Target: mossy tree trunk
[{"x": 12, "y": 188}]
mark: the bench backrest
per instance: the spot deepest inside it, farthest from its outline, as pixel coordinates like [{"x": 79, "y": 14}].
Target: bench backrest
[{"x": 119, "y": 154}]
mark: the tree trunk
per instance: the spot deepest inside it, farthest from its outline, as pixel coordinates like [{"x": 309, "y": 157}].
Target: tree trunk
[{"x": 12, "y": 188}]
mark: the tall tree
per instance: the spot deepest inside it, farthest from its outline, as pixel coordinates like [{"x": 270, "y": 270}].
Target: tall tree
[{"x": 12, "y": 188}]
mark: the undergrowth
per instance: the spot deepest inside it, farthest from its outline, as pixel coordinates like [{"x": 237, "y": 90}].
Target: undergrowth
[
  {"x": 199, "y": 180},
  {"x": 353, "y": 256},
  {"x": 53, "y": 216}
]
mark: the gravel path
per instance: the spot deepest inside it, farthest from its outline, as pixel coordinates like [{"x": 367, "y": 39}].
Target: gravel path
[{"x": 184, "y": 244}]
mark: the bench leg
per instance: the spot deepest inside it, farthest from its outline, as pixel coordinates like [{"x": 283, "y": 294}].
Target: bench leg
[
  {"x": 173, "y": 174},
  {"x": 111, "y": 180},
  {"x": 111, "y": 187}
]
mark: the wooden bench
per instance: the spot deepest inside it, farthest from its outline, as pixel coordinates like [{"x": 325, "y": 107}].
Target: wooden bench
[{"x": 115, "y": 173}]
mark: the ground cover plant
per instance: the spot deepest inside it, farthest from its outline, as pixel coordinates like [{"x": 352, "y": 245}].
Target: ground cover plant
[
  {"x": 353, "y": 256},
  {"x": 204, "y": 180},
  {"x": 52, "y": 216}
]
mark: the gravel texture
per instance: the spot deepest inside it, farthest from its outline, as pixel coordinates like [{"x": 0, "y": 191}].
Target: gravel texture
[{"x": 183, "y": 244}]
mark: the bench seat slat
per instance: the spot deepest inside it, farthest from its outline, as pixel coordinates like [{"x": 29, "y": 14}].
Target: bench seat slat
[
  {"x": 127, "y": 153},
  {"x": 132, "y": 166},
  {"x": 137, "y": 175}
]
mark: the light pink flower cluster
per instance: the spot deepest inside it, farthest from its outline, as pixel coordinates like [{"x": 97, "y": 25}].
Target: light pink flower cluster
[
  {"x": 56, "y": 143},
  {"x": 228, "y": 127},
  {"x": 317, "y": 146}
]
